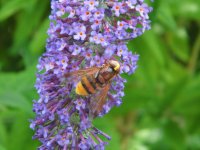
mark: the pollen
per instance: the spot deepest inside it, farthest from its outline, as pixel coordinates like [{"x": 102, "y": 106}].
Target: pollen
[
  {"x": 79, "y": 102},
  {"x": 141, "y": 9},
  {"x": 87, "y": 12},
  {"x": 102, "y": 39},
  {"x": 88, "y": 54},
  {"x": 80, "y": 33},
  {"x": 97, "y": 22},
  {"x": 117, "y": 7},
  {"x": 62, "y": 9},
  {"x": 95, "y": 37}
]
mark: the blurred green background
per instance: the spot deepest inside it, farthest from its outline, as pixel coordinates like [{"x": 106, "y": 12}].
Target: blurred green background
[{"x": 161, "y": 108}]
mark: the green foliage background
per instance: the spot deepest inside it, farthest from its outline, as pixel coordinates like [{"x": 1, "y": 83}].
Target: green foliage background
[{"x": 161, "y": 108}]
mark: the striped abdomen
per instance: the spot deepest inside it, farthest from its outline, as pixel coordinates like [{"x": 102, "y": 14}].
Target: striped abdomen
[
  {"x": 90, "y": 84},
  {"x": 87, "y": 86}
]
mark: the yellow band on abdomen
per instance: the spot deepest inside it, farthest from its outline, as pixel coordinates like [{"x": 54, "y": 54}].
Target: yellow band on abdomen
[{"x": 80, "y": 90}]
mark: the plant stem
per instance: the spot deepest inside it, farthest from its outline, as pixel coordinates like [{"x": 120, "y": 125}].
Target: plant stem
[{"x": 194, "y": 57}]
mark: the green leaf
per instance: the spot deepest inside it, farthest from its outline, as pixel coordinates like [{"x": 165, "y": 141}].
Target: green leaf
[
  {"x": 188, "y": 9},
  {"x": 11, "y": 7},
  {"x": 2, "y": 148},
  {"x": 179, "y": 43},
  {"x": 38, "y": 42},
  {"x": 3, "y": 134},
  {"x": 146, "y": 138},
  {"x": 29, "y": 31},
  {"x": 15, "y": 99},
  {"x": 173, "y": 135},
  {"x": 20, "y": 128},
  {"x": 107, "y": 125},
  {"x": 166, "y": 17},
  {"x": 189, "y": 98},
  {"x": 193, "y": 141},
  {"x": 19, "y": 91},
  {"x": 154, "y": 14}
]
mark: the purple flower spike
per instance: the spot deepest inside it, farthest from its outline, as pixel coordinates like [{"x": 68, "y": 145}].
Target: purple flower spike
[{"x": 83, "y": 34}]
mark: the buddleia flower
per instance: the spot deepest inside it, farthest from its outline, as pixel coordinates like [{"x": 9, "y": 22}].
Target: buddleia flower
[{"x": 83, "y": 34}]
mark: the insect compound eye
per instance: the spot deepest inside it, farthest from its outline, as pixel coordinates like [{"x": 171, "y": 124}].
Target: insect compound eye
[
  {"x": 114, "y": 64},
  {"x": 111, "y": 69}
]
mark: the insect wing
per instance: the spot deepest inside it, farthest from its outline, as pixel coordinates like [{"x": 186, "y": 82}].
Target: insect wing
[
  {"x": 97, "y": 103},
  {"x": 82, "y": 72}
]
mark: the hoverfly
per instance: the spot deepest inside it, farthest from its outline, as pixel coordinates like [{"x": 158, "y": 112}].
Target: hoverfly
[{"x": 95, "y": 80}]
